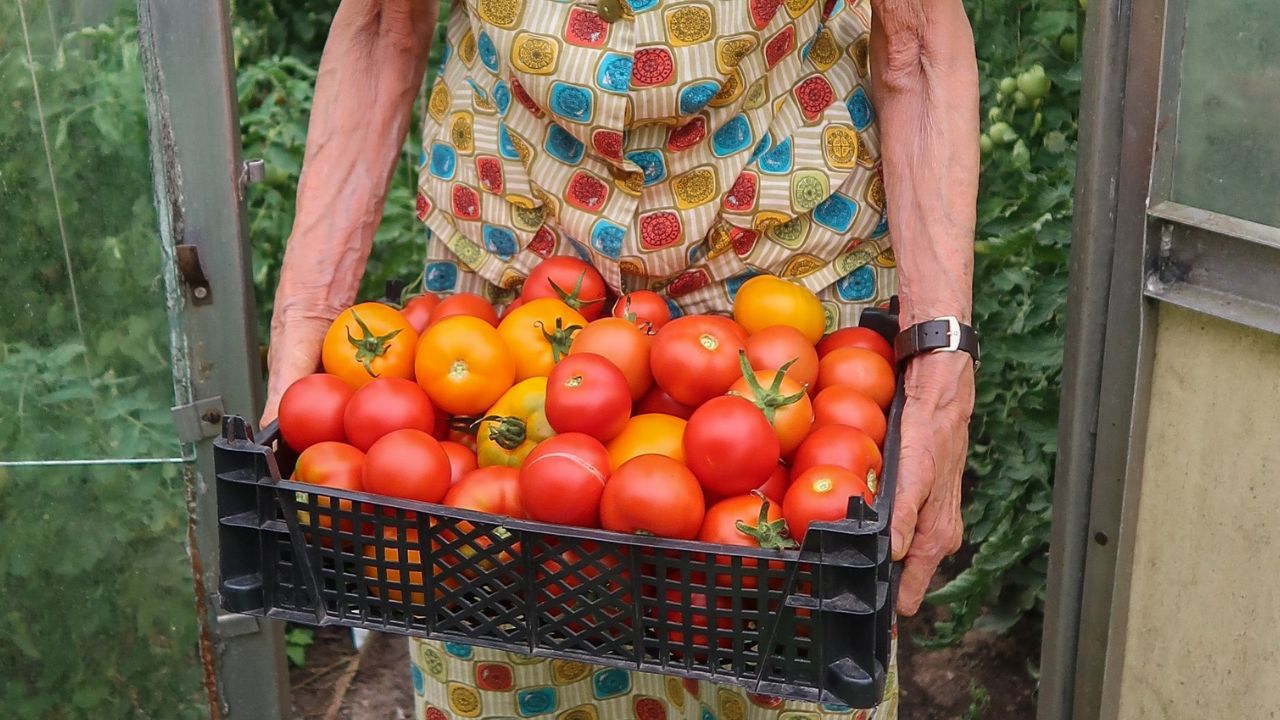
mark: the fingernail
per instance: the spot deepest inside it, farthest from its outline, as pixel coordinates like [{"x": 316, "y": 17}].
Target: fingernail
[{"x": 895, "y": 545}]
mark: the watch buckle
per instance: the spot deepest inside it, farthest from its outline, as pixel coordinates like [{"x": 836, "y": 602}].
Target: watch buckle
[{"x": 953, "y": 334}]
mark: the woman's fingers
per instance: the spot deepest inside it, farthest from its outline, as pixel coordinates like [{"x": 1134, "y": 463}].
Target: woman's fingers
[{"x": 294, "y": 353}]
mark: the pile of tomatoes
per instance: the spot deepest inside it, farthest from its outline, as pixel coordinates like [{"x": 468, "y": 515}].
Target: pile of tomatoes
[{"x": 736, "y": 430}]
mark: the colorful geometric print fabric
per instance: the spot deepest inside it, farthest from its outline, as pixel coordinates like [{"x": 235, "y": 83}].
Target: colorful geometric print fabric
[
  {"x": 453, "y": 681},
  {"x": 683, "y": 148}
]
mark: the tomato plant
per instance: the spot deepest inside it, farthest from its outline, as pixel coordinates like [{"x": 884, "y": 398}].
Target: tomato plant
[
  {"x": 563, "y": 478},
  {"x": 779, "y": 345},
  {"x": 570, "y": 280},
  {"x": 653, "y": 434},
  {"x": 783, "y": 401},
  {"x": 368, "y": 341},
  {"x": 588, "y": 394},
  {"x": 624, "y": 345},
  {"x": 515, "y": 424},
  {"x": 655, "y": 495},
  {"x": 646, "y": 309},
  {"x": 858, "y": 337},
  {"x": 860, "y": 369},
  {"x": 539, "y": 334},
  {"x": 695, "y": 358},
  {"x": 407, "y": 464},
  {"x": 464, "y": 364},
  {"x": 822, "y": 493},
  {"x": 311, "y": 411},
  {"x": 730, "y": 446},
  {"x": 767, "y": 300},
  {"x": 465, "y": 304},
  {"x": 844, "y": 405},
  {"x": 385, "y": 405},
  {"x": 838, "y": 445},
  {"x": 418, "y": 310}
]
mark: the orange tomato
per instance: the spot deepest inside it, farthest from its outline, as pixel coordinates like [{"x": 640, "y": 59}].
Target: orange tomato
[
  {"x": 648, "y": 435},
  {"x": 623, "y": 344},
  {"x": 775, "y": 346},
  {"x": 767, "y": 300},
  {"x": 861, "y": 369},
  {"x": 464, "y": 365},
  {"x": 843, "y": 405},
  {"x": 783, "y": 401},
  {"x": 367, "y": 341},
  {"x": 389, "y": 555},
  {"x": 465, "y": 304},
  {"x": 330, "y": 465},
  {"x": 539, "y": 333}
]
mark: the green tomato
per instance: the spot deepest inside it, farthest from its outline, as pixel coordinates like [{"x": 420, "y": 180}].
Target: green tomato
[
  {"x": 985, "y": 144},
  {"x": 1008, "y": 85},
  {"x": 1001, "y": 133},
  {"x": 1020, "y": 156},
  {"x": 994, "y": 114},
  {"x": 1034, "y": 83},
  {"x": 1084, "y": 4},
  {"x": 1067, "y": 44},
  {"x": 1020, "y": 100}
]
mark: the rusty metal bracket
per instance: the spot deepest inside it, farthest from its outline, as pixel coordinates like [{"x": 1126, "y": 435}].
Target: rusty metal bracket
[
  {"x": 198, "y": 420},
  {"x": 188, "y": 256}
]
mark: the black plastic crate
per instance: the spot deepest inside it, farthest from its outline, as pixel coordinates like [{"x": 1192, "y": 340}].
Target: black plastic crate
[{"x": 811, "y": 624}]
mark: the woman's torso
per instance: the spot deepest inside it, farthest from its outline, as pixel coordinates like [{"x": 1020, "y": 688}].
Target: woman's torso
[{"x": 683, "y": 148}]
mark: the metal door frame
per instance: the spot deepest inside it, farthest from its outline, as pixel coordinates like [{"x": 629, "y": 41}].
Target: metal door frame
[
  {"x": 1133, "y": 248},
  {"x": 199, "y": 178}
]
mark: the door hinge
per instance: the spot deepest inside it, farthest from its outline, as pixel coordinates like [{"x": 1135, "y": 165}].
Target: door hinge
[
  {"x": 188, "y": 256},
  {"x": 198, "y": 420}
]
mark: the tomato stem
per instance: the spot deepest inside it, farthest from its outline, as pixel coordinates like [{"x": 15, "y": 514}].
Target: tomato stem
[
  {"x": 768, "y": 535},
  {"x": 507, "y": 431},
  {"x": 771, "y": 398},
  {"x": 561, "y": 339},
  {"x": 574, "y": 299},
  {"x": 369, "y": 347}
]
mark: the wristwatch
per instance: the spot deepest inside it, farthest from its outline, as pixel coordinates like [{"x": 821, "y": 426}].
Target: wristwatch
[{"x": 944, "y": 334}]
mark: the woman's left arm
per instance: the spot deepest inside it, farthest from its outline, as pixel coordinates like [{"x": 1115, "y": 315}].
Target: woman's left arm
[{"x": 925, "y": 87}]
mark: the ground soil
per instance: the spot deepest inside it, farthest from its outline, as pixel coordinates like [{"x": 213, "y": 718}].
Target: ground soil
[{"x": 936, "y": 685}]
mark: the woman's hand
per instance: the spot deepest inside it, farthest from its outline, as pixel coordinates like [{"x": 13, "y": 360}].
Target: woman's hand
[
  {"x": 297, "y": 335},
  {"x": 935, "y": 442}
]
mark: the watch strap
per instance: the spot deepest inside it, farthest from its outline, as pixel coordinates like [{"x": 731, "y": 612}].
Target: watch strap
[{"x": 945, "y": 334}]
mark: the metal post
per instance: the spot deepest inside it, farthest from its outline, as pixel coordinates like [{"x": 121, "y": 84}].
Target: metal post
[{"x": 186, "y": 53}]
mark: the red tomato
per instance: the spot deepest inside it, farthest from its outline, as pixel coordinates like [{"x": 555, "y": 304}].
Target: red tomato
[
  {"x": 418, "y": 310},
  {"x": 775, "y": 488},
  {"x": 843, "y": 405},
  {"x": 563, "y": 574},
  {"x": 563, "y": 479},
  {"x": 462, "y": 460},
  {"x": 407, "y": 464},
  {"x": 821, "y": 493},
  {"x": 730, "y": 446},
  {"x": 588, "y": 394},
  {"x": 311, "y": 411},
  {"x": 838, "y": 445},
  {"x": 860, "y": 369},
  {"x": 783, "y": 401},
  {"x": 577, "y": 283},
  {"x": 658, "y": 402},
  {"x": 331, "y": 465},
  {"x": 696, "y": 610},
  {"x": 858, "y": 337},
  {"x": 775, "y": 346},
  {"x": 765, "y": 528},
  {"x": 384, "y": 405},
  {"x": 465, "y": 304},
  {"x": 695, "y": 358},
  {"x": 622, "y": 344},
  {"x": 653, "y": 494},
  {"x": 493, "y": 490},
  {"x": 645, "y": 308}
]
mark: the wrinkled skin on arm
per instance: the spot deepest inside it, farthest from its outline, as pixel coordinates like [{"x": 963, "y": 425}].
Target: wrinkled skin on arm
[{"x": 925, "y": 87}]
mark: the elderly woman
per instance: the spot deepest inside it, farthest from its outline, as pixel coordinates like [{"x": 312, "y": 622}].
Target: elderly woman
[{"x": 680, "y": 146}]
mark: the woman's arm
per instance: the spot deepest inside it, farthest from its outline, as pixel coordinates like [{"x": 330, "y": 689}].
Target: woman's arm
[
  {"x": 925, "y": 86},
  {"x": 369, "y": 75}
]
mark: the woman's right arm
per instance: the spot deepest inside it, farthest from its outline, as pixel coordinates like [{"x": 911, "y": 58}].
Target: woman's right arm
[{"x": 370, "y": 74}]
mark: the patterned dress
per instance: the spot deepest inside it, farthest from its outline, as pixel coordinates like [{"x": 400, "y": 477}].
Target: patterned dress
[{"x": 683, "y": 147}]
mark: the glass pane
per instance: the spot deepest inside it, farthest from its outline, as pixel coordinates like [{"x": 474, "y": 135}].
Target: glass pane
[
  {"x": 96, "y": 598},
  {"x": 1227, "y": 159}
]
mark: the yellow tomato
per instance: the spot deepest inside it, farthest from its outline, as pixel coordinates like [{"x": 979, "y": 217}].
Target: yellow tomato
[
  {"x": 464, "y": 365},
  {"x": 539, "y": 334},
  {"x": 514, "y": 425},
  {"x": 367, "y": 341},
  {"x": 767, "y": 300},
  {"x": 651, "y": 434}
]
